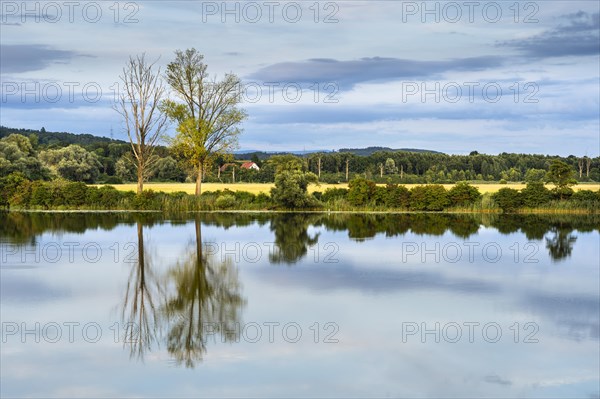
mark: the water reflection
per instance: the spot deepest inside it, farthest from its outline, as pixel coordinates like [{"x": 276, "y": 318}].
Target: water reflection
[
  {"x": 290, "y": 230},
  {"x": 206, "y": 299},
  {"x": 180, "y": 300},
  {"x": 140, "y": 311}
]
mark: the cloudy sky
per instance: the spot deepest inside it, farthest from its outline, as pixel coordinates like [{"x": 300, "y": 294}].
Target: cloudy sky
[{"x": 516, "y": 76}]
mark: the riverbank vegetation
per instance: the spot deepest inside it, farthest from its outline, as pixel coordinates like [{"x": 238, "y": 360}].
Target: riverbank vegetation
[{"x": 362, "y": 195}]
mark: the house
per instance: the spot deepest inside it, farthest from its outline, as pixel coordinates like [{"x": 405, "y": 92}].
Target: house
[{"x": 250, "y": 165}]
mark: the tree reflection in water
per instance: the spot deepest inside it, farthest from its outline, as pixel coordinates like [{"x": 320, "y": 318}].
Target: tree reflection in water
[
  {"x": 140, "y": 313},
  {"x": 560, "y": 245},
  {"x": 291, "y": 236},
  {"x": 206, "y": 299}
]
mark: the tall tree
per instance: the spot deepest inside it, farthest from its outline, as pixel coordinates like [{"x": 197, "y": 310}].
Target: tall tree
[
  {"x": 208, "y": 115},
  {"x": 561, "y": 174},
  {"x": 140, "y": 106}
]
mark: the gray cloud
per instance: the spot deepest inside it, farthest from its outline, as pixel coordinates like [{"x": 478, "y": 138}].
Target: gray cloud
[
  {"x": 17, "y": 58},
  {"x": 579, "y": 37},
  {"x": 349, "y": 73},
  {"x": 494, "y": 379}
]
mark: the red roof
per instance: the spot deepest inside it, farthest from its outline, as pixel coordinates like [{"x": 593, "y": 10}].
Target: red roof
[{"x": 248, "y": 165}]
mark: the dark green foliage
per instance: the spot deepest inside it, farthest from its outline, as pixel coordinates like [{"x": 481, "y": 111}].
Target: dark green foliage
[
  {"x": 167, "y": 169},
  {"x": 508, "y": 199},
  {"x": 432, "y": 197},
  {"x": 334, "y": 193},
  {"x": 463, "y": 194},
  {"x": 225, "y": 201},
  {"x": 291, "y": 183},
  {"x": 586, "y": 196},
  {"x": 113, "y": 180},
  {"x": 291, "y": 189},
  {"x": 361, "y": 191},
  {"x": 535, "y": 194},
  {"x": 563, "y": 177}
]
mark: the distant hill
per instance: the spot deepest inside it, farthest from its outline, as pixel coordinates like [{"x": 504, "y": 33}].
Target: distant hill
[
  {"x": 60, "y": 139},
  {"x": 370, "y": 150}
]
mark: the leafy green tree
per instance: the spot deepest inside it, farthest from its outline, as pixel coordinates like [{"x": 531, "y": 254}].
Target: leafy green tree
[
  {"x": 390, "y": 166},
  {"x": 463, "y": 193},
  {"x": 167, "y": 169},
  {"x": 508, "y": 199},
  {"x": 291, "y": 186},
  {"x": 18, "y": 155},
  {"x": 208, "y": 115},
  {"x": 430, "y": 197},
  {"x": 125, "y": 168},
  {"x": 361, "y": 191},
  {"x": 396, "y": 196},
  {"x": 72, "y": 163},
  {"x": 535, "y": 194},
  {"x": 535, "y": 175},
  {"x": 563, "y": 177}
]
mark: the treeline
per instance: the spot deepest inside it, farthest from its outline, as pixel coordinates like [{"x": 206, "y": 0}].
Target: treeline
[{"x": 42, "y": 155}]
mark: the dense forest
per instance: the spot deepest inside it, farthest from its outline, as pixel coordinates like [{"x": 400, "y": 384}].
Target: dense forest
[{"x": 39, "y": 154}]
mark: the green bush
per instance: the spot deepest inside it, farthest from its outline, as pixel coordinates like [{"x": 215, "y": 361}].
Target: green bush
[
  {"x": 535, "y": 194},
  {"x": 334, "y": 193},
  {"x": 508, "y": 199},
  {"x": 396, "y": 196},
  {"x": 225, "y": 201},
  {"x": 463, "y": 194},
  {"x": 74, "y": 193},
  {"x": 41, "y": 195},
  {"x": 361, "y": 191},
  {"x": 586, "y": 196},
  {"x": 146, "y": 200},
  {"x": 432, "y": 197}
]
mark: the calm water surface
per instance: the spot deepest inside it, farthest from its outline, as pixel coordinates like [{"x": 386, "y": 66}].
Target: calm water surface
[{"x": 311, "y": 305}]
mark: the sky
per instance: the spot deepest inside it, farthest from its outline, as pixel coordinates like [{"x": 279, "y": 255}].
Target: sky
[{"x": 503, "y": 76}]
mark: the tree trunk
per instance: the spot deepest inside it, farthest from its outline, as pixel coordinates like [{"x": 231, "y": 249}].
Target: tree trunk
[
  {"x": 580, "y": 163},
  {"x": 588, "y": 163},
  {"x": 381, "y": 170},
  {"x": 233, "y": 174},
  {"x": 319, "y": 167},
  {"x": 401, "y": 171},
  {"x": 140, "y": 176},
  {"x": 199, "y": 180},
  {"x": 347, "y": 163}
]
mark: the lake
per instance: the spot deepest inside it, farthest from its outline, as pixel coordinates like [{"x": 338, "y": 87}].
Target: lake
[{"x": 300, "y": 305}]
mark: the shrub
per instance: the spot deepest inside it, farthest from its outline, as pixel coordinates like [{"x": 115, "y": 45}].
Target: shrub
[
  {"x": 586, "y": 195},
  {"x": 15, "y": 189},
  {"x": 361, "y": 191},
  {"x": 535, "y": 194},
  {"x": 432, "y": 197},
  {"x": 397, "y": 196},
  {"x": 226, "y": 201},
  {"x": 462, "y": 194},
  {"x": 147, "y": 199},
  {"x": 75, "y": 193},
  {"x": 334, "y": 193},
  {"x": 41, "y": 195},
  {"x": 508, "y": 199}
]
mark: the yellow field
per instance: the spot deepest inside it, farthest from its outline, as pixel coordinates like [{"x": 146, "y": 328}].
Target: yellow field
[{"x": 266, "y": 187}]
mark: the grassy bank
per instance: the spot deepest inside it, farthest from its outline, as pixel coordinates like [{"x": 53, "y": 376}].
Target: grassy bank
[{"x": 363, "y": 196}]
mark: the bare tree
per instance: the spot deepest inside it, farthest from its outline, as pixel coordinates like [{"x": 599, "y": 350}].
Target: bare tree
[
  {"x": 588, "y": 163},
  {"x": 208, "y": 116},
  {"x": 139, "y": 105},
  {"x": 580, "y": 164}
]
